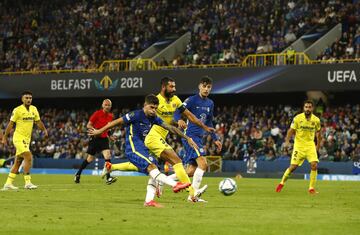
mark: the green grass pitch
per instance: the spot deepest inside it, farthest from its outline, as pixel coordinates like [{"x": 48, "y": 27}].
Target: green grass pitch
[{"x": 61, "y": 207}]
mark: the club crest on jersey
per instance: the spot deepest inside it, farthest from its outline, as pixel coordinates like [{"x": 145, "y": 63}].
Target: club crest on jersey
[{"x": 174, "y": 105}]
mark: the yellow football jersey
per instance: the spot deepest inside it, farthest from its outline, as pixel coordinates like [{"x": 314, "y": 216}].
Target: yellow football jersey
[
  {"x": 165, "y": 111},
  {"x": 24, "y": 120},
  {"x": 305, "y": 130}
]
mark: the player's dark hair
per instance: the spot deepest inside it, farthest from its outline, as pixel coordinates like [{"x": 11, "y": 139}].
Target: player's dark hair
[
  {"x": 166, "y": 80},
  {"x": 206, "y": 80},
  {"x": 308, "y": 102},
  {"x": 26, "y": 93},
  {"x": 151, "y": 99}
]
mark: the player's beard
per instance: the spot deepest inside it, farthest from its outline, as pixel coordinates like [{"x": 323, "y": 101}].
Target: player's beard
[
  {"x": 307, "y": 114},
  {"x": 168, "y": 94}
]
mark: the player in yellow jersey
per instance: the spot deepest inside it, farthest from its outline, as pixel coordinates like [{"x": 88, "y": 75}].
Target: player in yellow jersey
[
  {"x": 24, "y": 116},
  {"x": 305, "y": 127},
  {"x": 155, "y": 141}
]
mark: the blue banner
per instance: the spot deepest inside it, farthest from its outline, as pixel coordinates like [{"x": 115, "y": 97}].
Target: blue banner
[
  {"x": 356, "y": 168},
  {"x": 335, "y": 177}
]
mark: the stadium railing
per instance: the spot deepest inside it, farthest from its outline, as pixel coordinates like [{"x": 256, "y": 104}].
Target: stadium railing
[{"x": 253, "y": 60}]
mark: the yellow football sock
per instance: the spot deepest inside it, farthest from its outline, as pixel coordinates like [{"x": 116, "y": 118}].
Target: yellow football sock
[
  {"x": 313, "y": 175},
  {"x": 125, "y": 166},
  {"x": 27, "y": 179},
  {"x": 182, "y": 176},
  {"x": 285, "y": 176},
  {"x": 10, "y": 179}
]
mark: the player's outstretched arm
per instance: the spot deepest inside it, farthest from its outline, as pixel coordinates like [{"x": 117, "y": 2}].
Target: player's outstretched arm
[
  {"x": 318, "y": 140},
  {"x": 9, "y": 127},
  {"x": 192, "y": 118},
  {"x": 93, "y": 131},
  {"x": 290, "y": 133},
  {"x": 179, "y": 133},
  {"x": 42, "y": 127}
]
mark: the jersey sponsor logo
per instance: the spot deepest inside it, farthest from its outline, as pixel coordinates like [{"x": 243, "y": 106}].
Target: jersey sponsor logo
[
  {"x": 307, "y": 128},
  {"x": 203, "y": 117},
  {"x": 167, "y": 113},
  {"x": 28, "y": 118}
]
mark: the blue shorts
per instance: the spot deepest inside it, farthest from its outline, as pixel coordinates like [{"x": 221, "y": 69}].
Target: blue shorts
[
  {"x": 190, "y": 153},
  {"x": 141, "y": 158}
]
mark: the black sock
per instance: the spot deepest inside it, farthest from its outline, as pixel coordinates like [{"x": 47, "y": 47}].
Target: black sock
[{"x": 83, "y": 166}]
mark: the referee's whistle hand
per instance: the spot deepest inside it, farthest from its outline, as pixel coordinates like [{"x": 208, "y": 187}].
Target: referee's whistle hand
[{"x": 93, "y": 131}]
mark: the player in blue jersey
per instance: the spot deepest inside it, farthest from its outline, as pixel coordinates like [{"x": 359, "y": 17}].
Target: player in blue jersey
[
  {"x": 138, "y": 124},
  {"x": 202, "y": 107}
]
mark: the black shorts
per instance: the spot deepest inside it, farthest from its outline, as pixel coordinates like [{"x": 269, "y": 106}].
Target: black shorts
[{"x": 97, "y": 145}]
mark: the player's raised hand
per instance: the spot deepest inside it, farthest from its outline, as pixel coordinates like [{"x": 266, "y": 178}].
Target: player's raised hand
[
  {"x": 93, "y": 131},
  {"x": 218, "y": 146},
  {"x": 182, "y": 124},
  {"x": 192, "y": 143}
]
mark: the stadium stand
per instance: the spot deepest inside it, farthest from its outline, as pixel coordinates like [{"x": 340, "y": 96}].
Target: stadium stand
[
  {"x": 40, "y": 35},
  {"x": 244, "y": 130}
]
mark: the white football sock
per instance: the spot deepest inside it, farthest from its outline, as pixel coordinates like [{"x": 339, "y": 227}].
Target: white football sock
[
  {"x": 197, "y": 178},
  {"x": 157, "y": 175},
  {"x": 173, "y": 177},
  {"x": 150, "y": 190}
]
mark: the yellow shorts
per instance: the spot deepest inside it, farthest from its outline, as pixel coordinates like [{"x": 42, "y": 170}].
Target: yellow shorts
[
  {"x": 21, "y": 145},
  {"x": 156, "y": 143},
  {"x": 298, "y": 156}
]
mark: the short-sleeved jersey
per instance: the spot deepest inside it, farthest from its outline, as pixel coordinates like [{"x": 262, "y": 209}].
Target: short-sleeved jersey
[
  {"x": 99, "y": 119},
  {"x": 24, "y": 120},
  {"x": 166, "y": 111},
  {"x": 203, "y": 109},
  {"x": 138, "y": 126},
  {"x": 305, "y": 130}
]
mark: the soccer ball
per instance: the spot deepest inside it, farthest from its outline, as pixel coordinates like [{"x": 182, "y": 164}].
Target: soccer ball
[{"x": 227, "y": 186}]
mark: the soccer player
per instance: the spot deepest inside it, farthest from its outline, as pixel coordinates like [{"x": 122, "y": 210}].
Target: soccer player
[
  {"x": 138, "y": 124},
  {"x": 156, "y": 139},
  {"x": 305, "y": 126},
  {"x": 24, "y": 117},
  {"x": 100, "y": 143},
  {"x": 202, "y": 107}
]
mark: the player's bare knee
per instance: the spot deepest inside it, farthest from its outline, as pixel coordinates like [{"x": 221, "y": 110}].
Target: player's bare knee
[
  {"x": 313, "y": 166},
  {"x": 170, "y": 156},
  {"x": 106, "y": 154},
  {"x": 190, "y": 171},
  {"x": 292, "y": 168},
  {"x": 202, "y": 163},
  {"x": 151, "y": 167}
]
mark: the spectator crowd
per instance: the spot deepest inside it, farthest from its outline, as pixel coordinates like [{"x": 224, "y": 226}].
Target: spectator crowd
[
  {"x": 46, "y": 35},
  {"x": 246, "y": 131}
]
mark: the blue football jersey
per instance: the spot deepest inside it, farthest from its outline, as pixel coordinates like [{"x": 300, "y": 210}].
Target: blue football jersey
[
  {"x": 203, "y": 109},
  {"x": 137, "y": 126}
]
